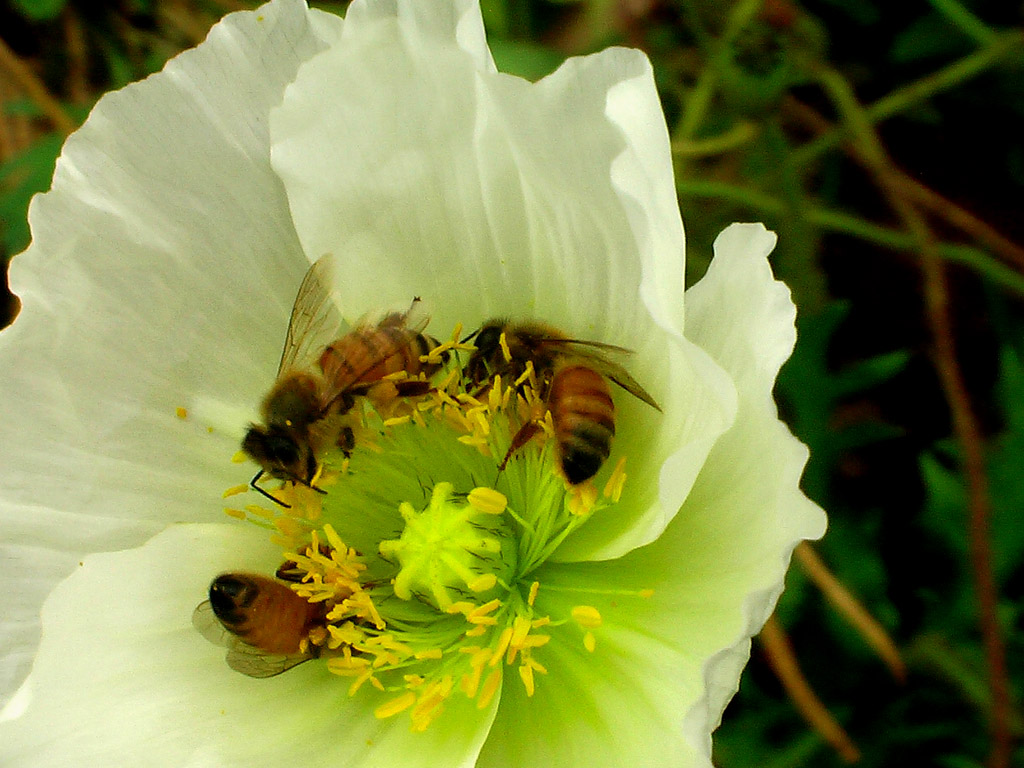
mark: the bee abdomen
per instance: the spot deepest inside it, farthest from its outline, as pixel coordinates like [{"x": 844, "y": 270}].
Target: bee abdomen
[
  {"x": 583, "y": 415},
  {"x": 264, "y": 613}
]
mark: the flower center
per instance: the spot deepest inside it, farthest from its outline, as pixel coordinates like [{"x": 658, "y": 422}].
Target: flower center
[{"x": 424, "y": 544}]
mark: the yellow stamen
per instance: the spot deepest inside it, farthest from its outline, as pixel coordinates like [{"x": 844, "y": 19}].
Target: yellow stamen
[
  {"x": 616, "y": 481},
  {"x": 488, "y": 500},
  {"x": 587, "y": 616},
  {"x": 239, "y": 457},
  {"x": 506, "y": 353},
  {"x": 235, "y": 490},
  {"x": 238, "y": 514},
  {"x": 589, "y": 642},
  {"x": 396, "y": 705},
  {"x": 532, "y": 597},
  {"x": 526, "y": 675},
  {"x": 490, "y": 687}
]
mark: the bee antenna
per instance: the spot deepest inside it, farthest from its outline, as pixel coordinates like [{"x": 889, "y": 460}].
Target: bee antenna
[
  {"x": 472, "y": 336},
  {"x": 252, "y": 484}
]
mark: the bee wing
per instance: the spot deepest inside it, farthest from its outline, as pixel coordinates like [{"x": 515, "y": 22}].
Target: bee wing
[
  {"x": 316, "y": 318},
  {"x": 209, "y": 626},
  {"x": 609, "y": 368},
  {"x": 254, "y": 662},
  {"x": 241, "y": 657}
]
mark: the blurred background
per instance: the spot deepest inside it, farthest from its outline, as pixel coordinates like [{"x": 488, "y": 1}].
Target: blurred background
[{"x": 884, "y": 142}]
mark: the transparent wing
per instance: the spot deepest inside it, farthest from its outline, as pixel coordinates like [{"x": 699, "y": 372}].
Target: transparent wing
[
  {"x": 241, "y": 657},
  {"x": 609, "y": 368},
  {"x": 254, "y": 662},
  {"x": 209, "y": 626},
  {"x": 316, "y": 319}
]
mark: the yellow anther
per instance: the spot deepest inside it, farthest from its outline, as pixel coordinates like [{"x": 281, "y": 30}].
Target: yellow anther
[
  {"x": 483, "y": 582},
  {"x": 526, "y": 675},
  {"x": 532, "y": 597},
  {"x": 490, "y": 687},
  {"x": 503, "y": 641},
  {"x": 589, "y": 642},
  {"x": 432, "y": 653},
  {"x": 396, "y": 705},
  {"x": 239, "y": 457},
  {"x": 397, "y": 421},
  {"x": 487, "y": 500},
  {"x": 587, "y": 616},
  {"x": 616, "y": 481},
  {"x": 234, "y": 490},
  {"x": 482, "y": 610},
  {"x": 238, "y": 514},
  {"x": 505, "y": 351}
]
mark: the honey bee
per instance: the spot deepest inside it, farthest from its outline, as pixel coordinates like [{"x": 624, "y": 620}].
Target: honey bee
[
  {"x": 264, "y": 625},
  {"x": 573, "y": 378},
  {"x": 321, "y": 372}
]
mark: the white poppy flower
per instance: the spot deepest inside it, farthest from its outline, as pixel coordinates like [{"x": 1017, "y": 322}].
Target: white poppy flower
[{"x": 603, "y": 622}]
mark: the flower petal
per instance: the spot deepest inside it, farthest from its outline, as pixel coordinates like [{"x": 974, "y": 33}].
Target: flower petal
[
  {"x": 717, "y": 570},
  {"x": 426, "y": 174},
  {"x": 160, "y": 202},
  {"x": 123, "y": 679}
]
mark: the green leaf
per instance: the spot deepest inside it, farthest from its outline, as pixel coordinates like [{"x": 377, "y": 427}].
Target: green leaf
[
  {"x": 21, "y": 177},
  {"x": 930, "y": 37},
  {"x": 527, "y": 60},
  {"x": 39, "y": 10}
]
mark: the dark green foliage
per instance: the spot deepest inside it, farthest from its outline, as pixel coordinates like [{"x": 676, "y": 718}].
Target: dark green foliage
[{"x": 860, "y": 389}]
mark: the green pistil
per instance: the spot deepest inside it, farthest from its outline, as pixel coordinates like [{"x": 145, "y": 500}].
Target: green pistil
[{"x": 451, "y": 550}]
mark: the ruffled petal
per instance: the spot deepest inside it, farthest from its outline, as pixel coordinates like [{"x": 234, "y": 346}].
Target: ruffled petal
[
  {"x": 715, "y": 573},
  {"x": 428, "y": 175},
  {"x": 161, "y": 273},
  {"x": 123, "y": 679}
]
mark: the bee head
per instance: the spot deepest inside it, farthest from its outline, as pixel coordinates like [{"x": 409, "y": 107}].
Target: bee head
[
  {"x": 228, "y": 594},
  {"x": 276, "y": 450}
]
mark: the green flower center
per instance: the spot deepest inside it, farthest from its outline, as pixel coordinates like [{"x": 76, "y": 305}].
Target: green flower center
[{"x": 424, "y": 543}]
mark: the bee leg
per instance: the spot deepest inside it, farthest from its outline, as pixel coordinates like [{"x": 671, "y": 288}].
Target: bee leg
[
  {"x": 254, "y": 486},
  {"x": 521, "y": 438},
  {"x": 347, "y": 441}
]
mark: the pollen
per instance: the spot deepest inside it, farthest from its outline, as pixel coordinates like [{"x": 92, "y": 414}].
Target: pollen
[
  {"x": 181, "y": 413},
  {"x": 420, "y": 540}
]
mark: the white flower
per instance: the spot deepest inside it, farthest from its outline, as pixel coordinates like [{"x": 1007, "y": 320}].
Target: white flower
[{"x": 163, "y": 266}]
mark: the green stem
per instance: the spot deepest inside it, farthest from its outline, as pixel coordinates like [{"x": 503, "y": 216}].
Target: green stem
[
  {"x": 903, "y": 98},
  {"x": 830, "y": 220},
  {"x": 699, "y": 101},
  {"x": 964, "y": 20}
]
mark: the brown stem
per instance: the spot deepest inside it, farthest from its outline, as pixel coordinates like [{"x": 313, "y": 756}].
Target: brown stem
[
  {"x": 35, "y": 89},
  {"x": 782, "y": 659},
  {"x": 928, "y": 198},
  {"x": 852, "y": 609},
  {"x": 872, "y": 155}
]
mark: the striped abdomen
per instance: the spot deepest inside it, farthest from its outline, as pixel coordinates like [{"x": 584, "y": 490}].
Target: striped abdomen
[
  {"x": 580, "y": 401},
  {"x": 263, "y": 612},
  {"x": 369, "y": 353}
]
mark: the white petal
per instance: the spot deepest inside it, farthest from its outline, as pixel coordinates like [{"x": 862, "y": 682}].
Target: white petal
[
  {"x": 428, "y": 175},
  {"x": 122, "y": 678},
  {"x": 746, "y": 512},
  {"x": 161, "y": 273},
  {"x": 665, "y": 666}
]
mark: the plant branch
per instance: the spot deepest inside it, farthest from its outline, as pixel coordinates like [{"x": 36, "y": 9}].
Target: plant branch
[
  {"x": 936, "y": 293},
  {"x": 852, "y": 609},
  {"x": 782, "y": 659},
  {"x": 35, "y": 89}
]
